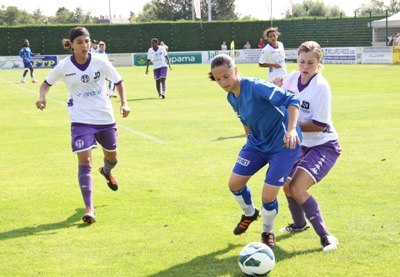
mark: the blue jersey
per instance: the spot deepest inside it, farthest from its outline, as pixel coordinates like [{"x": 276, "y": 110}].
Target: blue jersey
[
  {"x": 26, "y": 53},
  {"x": 263, "y": 107}
]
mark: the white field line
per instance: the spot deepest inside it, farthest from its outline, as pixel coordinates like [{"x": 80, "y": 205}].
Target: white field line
[{"x": 63, "y": 104}]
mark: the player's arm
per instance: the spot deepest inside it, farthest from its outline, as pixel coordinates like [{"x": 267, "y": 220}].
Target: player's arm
[
  {"x": 246, "y": 129},
  {"x": 168, "y": 62},
  {"x": 291, "y": 138},
  {"x": 147, "y": 66},
  {"x": 124, "y": 110},
  {"x": 44, "y": 89}
]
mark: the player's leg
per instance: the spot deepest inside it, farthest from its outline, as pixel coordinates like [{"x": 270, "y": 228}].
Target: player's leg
[
  {"x": 82, "y": 142},
  {"x": 32, "y": 74},
  {"x": 86, "y": 184},
  {"x": 24, "y": 76},
  {"x": 315, "y": 166},
  {"x": 163, "y": 78},
  {"x": 247, "y": 164},
  {"x": 280, "y": 165},
  {"x": 158, "y": 81},
  {"x": 107, "y": 138}
]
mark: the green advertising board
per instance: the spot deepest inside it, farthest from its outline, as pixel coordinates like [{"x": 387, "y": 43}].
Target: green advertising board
[{"x": 140, "y": 59}]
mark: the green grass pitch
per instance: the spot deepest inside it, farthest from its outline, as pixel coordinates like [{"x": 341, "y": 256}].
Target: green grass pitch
[{"x": 173, "y": 214}]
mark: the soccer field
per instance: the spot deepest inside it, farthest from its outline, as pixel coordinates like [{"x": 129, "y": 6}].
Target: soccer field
[{"x": 173, "y": 214}]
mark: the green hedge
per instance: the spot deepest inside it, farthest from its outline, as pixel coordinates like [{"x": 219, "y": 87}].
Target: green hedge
[{"x": 193, "y": 36}]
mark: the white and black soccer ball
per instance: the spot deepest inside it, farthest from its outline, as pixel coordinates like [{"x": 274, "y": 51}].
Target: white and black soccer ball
[{"x": 256, "y": 258}]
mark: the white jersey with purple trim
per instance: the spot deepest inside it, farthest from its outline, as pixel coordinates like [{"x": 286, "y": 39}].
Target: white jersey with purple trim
[
  {"x": 315, "y": 104},
  {"x": 88, "y": 98},
  {"x": 157, "y": 57},
  {"x": 273, "y": 55}
]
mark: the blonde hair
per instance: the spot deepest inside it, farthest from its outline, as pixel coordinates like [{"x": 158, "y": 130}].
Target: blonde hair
[
  {"x": 314, "y": 47},
  {"x": 270, "y": 30}
]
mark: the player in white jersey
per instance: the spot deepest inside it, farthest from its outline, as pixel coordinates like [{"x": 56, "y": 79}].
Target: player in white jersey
[
  {"x": 273, "y": 55},
  {"x": 90, "y": 110},
  {"x": 160, "y": 60},
  {"x": 320, "y": 146}
]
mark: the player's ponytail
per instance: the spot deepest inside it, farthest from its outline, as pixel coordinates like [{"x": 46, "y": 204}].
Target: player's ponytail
[{"x": 66, "y": 43}]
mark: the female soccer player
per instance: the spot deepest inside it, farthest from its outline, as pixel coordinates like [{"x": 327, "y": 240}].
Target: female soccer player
[
  {"x": 90, "y": 110},
  {"x": 159, "y": 57},
  {"x": 269, "y": 116},
  {"x": 273, "y": 55},
  {"x": 320, "y": 148},
  {"x": 26, "y": 54}
]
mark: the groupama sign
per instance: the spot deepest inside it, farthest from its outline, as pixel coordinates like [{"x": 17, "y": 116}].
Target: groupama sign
[{"x": 140, "y": 59}]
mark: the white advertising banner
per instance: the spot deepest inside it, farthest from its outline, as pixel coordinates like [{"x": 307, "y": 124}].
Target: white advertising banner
[
  {"x": 343, "y": 55},
  {"x": 376, "y": 55}
]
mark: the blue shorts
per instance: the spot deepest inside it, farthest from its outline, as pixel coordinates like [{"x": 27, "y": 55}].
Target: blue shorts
[
  {"x": 84, "y": 137},
  {"x": 28, "y": 63},
  {"x": 280, "y": 164}
]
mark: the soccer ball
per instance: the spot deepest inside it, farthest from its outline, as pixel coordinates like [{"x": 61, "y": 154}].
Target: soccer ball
[{"x": 256, "y": 258}]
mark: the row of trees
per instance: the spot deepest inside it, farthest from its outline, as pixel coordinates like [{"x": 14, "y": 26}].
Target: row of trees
[{"x": 174, "y": 10}]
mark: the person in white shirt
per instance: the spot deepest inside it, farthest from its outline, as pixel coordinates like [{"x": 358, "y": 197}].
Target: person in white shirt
[
  {"x": 90, "y": 110},
  {"x": 273, "y": 55},
  {"x": 224, "y": 47},
  {"x": 102, "y": 50},
  {"x": 159, "y": 57},
  {"x": 320, "y": 146},
  {"x": 164, "y": 45}
]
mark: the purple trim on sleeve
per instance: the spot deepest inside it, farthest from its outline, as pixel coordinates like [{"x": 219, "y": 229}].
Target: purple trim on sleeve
[
  {"x": 116, "y": 84},
  {"x": 81, "y": 67},
  {"x": 47, "y": 82}
]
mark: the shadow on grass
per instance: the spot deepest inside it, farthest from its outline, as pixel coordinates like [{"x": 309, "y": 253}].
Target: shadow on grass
[
  {"x": 232, "y": 137},
  {"x": 37, "y": 230},
  {"x": 143, "y": 99},
  {"x": 211, "y": 265}
]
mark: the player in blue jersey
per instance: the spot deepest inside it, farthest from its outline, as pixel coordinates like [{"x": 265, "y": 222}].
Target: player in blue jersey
[
  {"x": 26, "y": 54},
  {"x": 90, "y": 110},
  {"x": 320, "y": 147},
  {"x": 269, "y": 116}
]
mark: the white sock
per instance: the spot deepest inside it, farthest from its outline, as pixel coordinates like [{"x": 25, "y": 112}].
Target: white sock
[{"x": 268, "y": 218}]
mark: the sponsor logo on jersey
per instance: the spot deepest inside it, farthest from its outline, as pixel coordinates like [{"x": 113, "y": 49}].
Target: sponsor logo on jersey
[
  {"x": 305, "y": 105},
  {"x": 243, "y": 161},
  {"x": 70, "y": 74}
]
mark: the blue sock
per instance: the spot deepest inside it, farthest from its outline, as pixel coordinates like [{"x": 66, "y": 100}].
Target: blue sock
[
  {"x": 269, "y": 212},
  {"x": 243, "y": 197}
]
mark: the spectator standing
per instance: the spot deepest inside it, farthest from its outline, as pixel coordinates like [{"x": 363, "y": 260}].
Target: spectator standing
[
  {"x": 224, "y": 47},
  {"x": 247, "y": 45},
  {"x": 273, "y": 55},
  {"x": 260, "y": 43}
]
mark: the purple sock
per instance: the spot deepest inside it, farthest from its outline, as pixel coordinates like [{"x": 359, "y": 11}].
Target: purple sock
[
  {"x": 313, "y": 214},
  {"x": 85, "y": 182},
  {"x": 297, "y": 212}
]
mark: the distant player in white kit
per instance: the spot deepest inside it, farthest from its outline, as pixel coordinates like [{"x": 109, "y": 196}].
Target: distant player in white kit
[
  {"x": 273, "y": 55},
  {"x": 320, "y": 147},
  {"x": 159, "y": 57},
  {"x": 90, "y": 110}
]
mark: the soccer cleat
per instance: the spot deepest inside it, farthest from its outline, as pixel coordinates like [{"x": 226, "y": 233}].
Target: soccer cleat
[
  {"x": 23, "y": 81},
  {"x": 34, "y": 81},
  {"x": 89, "y": 217},
  {"x": 291, "y": 228},
  {"x": 245, "y": 221},
  {"x": 111, "y": 181},
  {"x": 329, "y": 243},
  {"x": 268, "y": 239}
]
